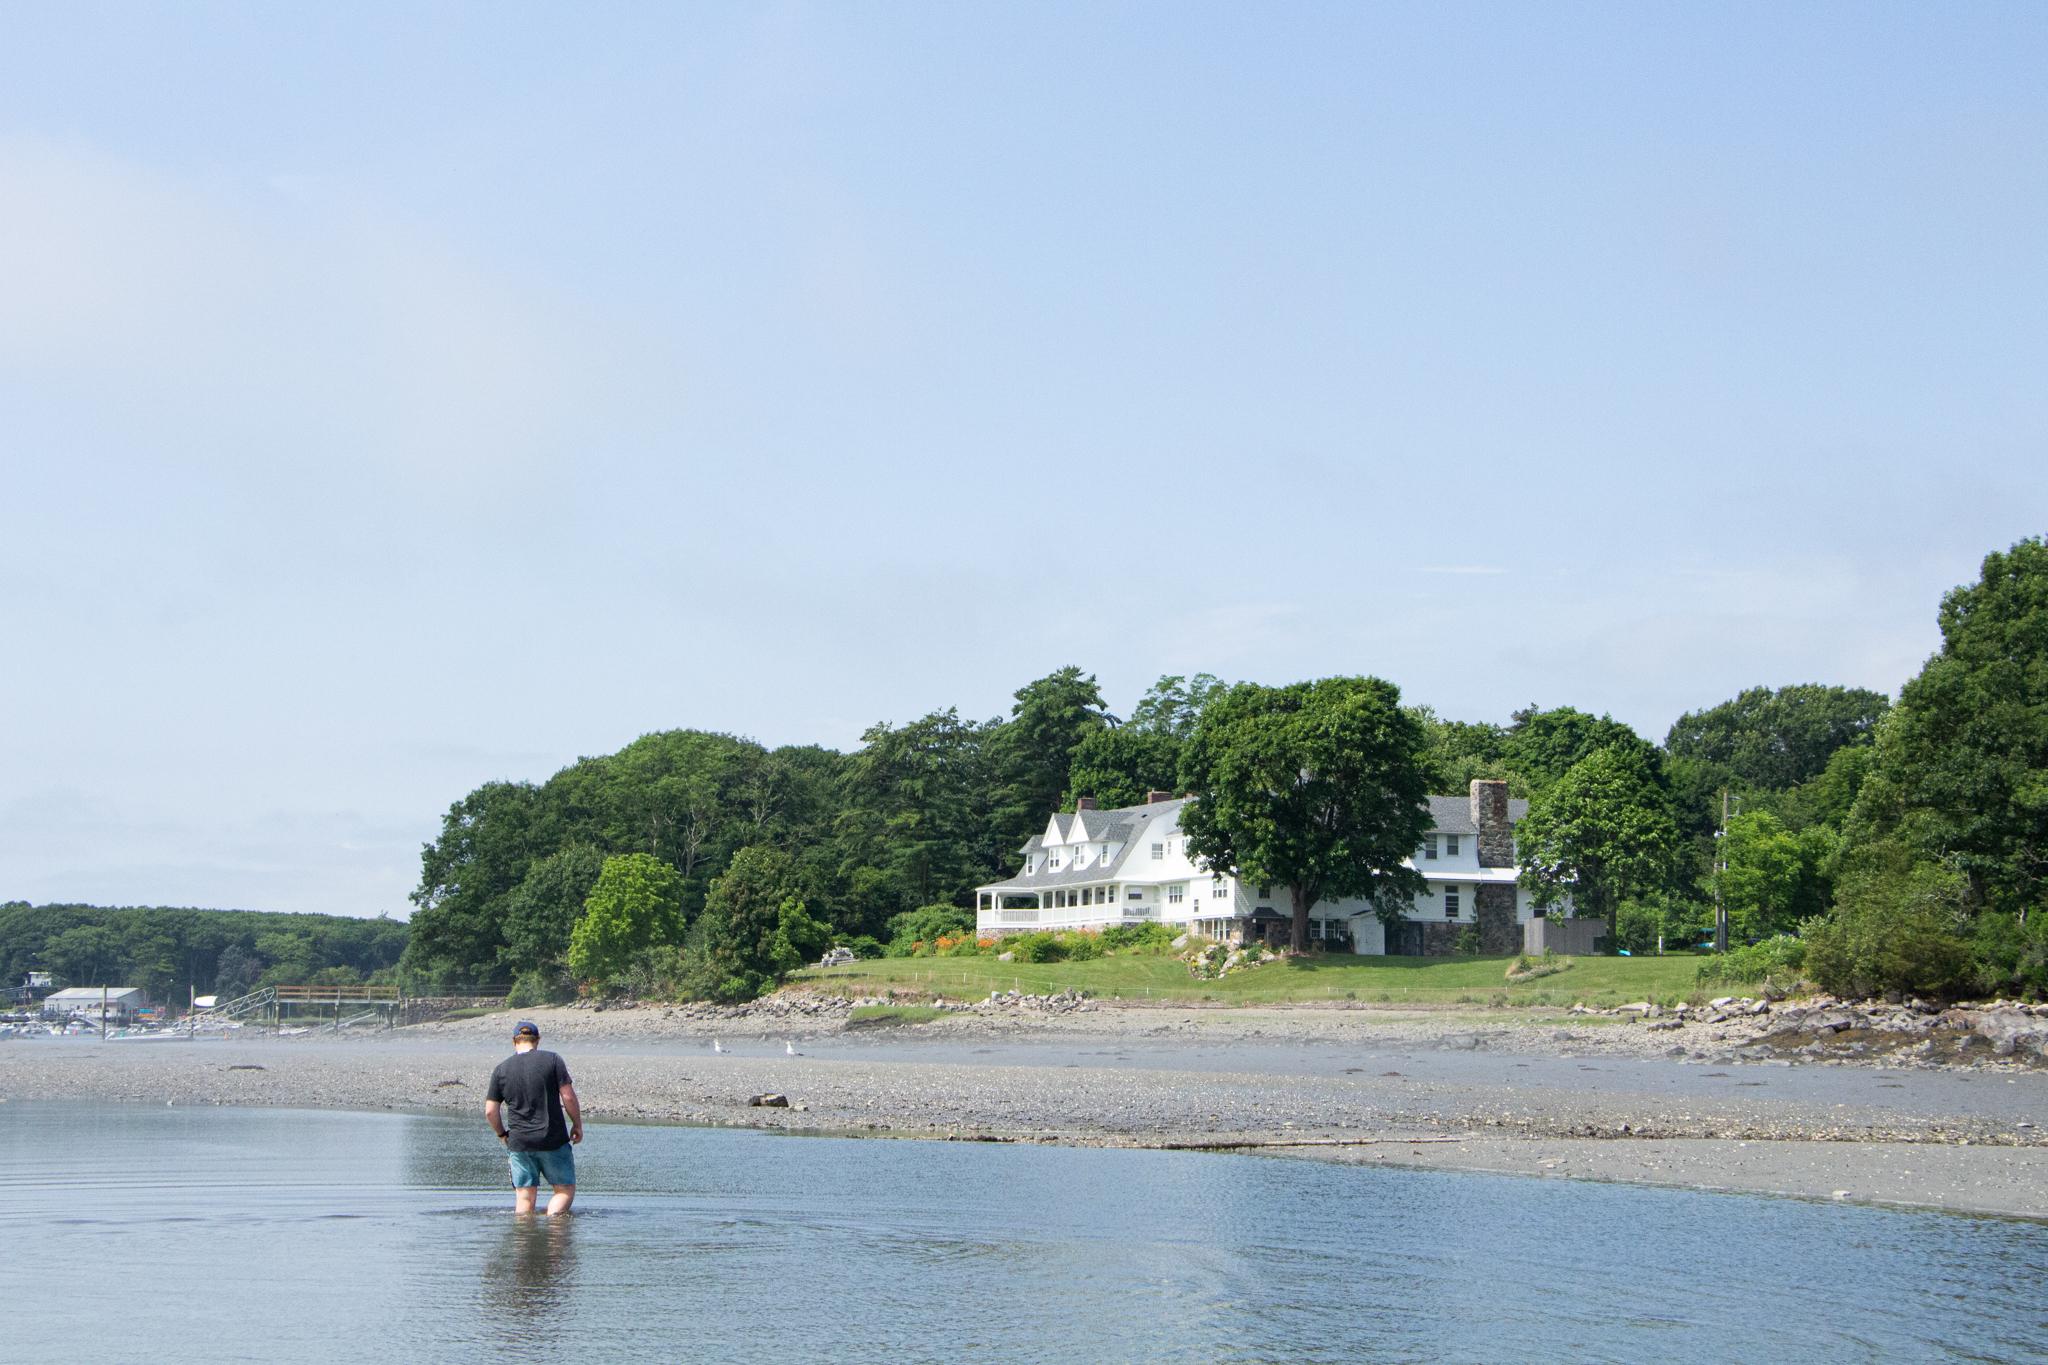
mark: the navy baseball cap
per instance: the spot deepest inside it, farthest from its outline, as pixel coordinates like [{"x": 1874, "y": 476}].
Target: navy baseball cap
[{"x": 525, "y": 1028}]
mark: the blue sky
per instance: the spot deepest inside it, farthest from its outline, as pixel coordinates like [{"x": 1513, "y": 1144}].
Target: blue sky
[{"x": 398, "y": 400}]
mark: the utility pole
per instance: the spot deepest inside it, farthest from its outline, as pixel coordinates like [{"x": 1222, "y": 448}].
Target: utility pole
[
  {"x": 103, "y": 1011},
  {"x": 1720, "y": 866}
]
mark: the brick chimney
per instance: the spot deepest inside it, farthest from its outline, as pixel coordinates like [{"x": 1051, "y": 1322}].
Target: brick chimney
[
  {"x": 1155, "y": 796},
  {"x": 1082, "y": 803},
  {"x": 1490, "y": 818}
]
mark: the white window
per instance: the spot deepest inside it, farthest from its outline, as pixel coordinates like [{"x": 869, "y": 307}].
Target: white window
[
  {"x": 1053, "y": 862},
  {"x": 1030, "y": 866},
  {"x": 1158, "y": 853},
  {"x": 1265, "y": 891},
  {"x": 1175, "y": 892},
  {"x": 1450, "y": 902},
  {"x": 1169, "y": 848},
  {"x": 1450, "y": 845},
  {"x": 1135, "y": 894},
  {"x": 1429, "y": 846},
  {"x": 1216, "y": 889}
]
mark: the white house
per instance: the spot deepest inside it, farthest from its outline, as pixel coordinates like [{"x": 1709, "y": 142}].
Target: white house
[
  {"x": 121, "y": 1001},
  {"x": 1094, "y": 868}
]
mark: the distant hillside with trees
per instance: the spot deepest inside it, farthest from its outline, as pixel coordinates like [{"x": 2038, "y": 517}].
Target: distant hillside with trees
[{"x": 170, "y": 950}]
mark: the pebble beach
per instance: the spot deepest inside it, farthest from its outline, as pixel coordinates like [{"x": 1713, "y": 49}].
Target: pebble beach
[{"x": 1883, "y": 1104}]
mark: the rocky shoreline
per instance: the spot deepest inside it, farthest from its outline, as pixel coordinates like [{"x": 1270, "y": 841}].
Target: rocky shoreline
[
  {"x": 1909, "y": 1033},
  {"x": 1812, "y": 1097}
]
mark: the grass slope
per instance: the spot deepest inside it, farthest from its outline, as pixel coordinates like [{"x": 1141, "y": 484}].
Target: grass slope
[{"x": 1395, "y": 980}]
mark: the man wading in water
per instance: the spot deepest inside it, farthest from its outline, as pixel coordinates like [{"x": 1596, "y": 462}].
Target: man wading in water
[{"x": 525, "y": 1106}]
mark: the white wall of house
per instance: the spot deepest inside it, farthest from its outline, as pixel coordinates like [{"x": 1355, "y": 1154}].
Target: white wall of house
[
  {"x": 1143, "y": 888},
  {"x": 1466, "y": 859}
]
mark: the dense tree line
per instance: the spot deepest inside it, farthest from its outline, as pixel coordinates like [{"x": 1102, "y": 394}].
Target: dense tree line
[
  {"x": 170, "y": 952},
  {"x": 923, "y": 812}
]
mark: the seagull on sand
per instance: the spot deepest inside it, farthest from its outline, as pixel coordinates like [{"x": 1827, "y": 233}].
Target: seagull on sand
[
  {"x": 790, "y": 1048},
  {"x": 717, "y": 1046}
]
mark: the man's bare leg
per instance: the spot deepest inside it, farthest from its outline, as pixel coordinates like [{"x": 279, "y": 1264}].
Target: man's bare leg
[
  {"x": 522, "y": 1198},
  {"x": 564, "y": 1196}
]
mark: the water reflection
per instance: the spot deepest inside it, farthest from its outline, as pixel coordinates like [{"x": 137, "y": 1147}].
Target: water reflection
[{"x": 533, "y": 1271}]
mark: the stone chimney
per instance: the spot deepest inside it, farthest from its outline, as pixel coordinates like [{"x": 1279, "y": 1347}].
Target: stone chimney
[
  {"x": 1082, "y": 803},
  {"x": 1490, "y": 818},
  {"x": 1155, "y": 796}
]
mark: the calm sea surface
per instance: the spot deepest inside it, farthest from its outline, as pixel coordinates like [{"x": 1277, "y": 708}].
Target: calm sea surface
[{"x": 223, "y": 1234}]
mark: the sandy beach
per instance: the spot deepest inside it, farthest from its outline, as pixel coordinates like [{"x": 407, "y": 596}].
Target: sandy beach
[{"x": 1520, "y": 1091}]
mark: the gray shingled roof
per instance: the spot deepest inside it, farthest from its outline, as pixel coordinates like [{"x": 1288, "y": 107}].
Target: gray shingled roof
[
  {"x": 1118, "y": 825},
  {"x": 1112, "y": 825}
]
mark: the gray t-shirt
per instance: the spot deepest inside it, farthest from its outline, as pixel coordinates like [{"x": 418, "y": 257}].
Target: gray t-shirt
[{"x": 529, "y": 1085}]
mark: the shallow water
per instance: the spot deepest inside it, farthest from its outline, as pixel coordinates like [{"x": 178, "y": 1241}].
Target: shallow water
[{"x": 265, "y": 1234}]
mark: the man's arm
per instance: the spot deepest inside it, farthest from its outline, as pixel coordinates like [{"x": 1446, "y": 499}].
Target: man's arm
[
  {"x": 574, "y": 1110},
  {"x": 491, "y": 1117}
]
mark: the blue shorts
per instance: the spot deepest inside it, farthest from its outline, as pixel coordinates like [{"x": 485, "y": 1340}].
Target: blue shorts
[{"x": 557, "y": 1167}]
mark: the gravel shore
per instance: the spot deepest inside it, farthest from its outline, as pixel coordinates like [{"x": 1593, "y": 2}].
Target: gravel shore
[{"x": 1526, "y": 1091}]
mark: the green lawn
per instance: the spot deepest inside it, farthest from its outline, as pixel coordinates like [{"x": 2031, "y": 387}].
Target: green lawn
[{"x": 1390, "y": 980}]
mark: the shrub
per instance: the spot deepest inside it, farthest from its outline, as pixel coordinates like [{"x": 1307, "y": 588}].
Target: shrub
[
  {"x": 862, "y": 945},
  {"x": 1678, "y": 920},
  {"x": 926, "y": 924},
  {"x": 1156, "y": 937},
  {"x": 656, "y": 973},
  {"x": 1467, "y": 944},
  {"x": 1526, "y": 968},
  {"x": 1892, "y": 931},
  {"x": 1038, "y": 947},
  {"x": 2008, "y": 957},
  {"x": 1777, "y": 959},
  {"x": 1081, "y": 945},
  {"x": 1636, "y": 927},
  {"x": 537, "y": 988}
]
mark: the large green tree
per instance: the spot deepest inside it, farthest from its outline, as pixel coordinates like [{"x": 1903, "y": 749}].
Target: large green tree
[
  {"x": 916, "y": 822},
  {"x": 1456, "y": 751},
  {"x": 1119, "y": 765},
  {"x": 1775, "y": 877},
  {"x": 1776, "y": 740},
  {"x": 1600, "y": 834},
  {"x": 636, "y": 904},
  {"x": 1960, "y": 775},
  {"x": 542, "y": 911},
  {"x": 1541, "y": 746},
  {"x": 755, "y": 928},
  {"x": 488, "y": 841},
  {"x": 1173, "y": 705},
  {"x": 1035, "y": 747},
  {"x": 1318, "y": 786}
]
